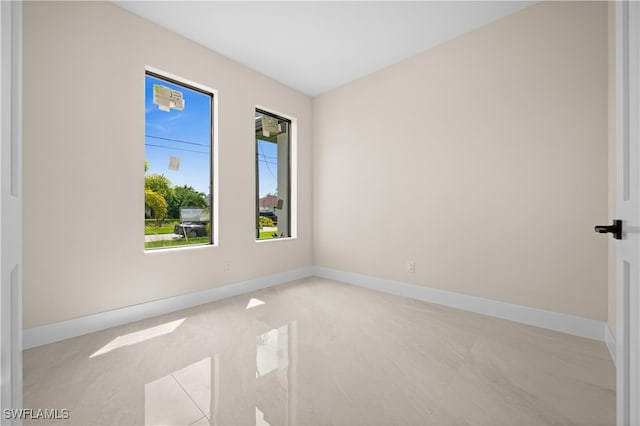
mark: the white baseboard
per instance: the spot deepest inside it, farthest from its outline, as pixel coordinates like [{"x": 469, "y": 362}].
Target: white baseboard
[
  {"x": 610, "y": 340},
  {"x": 62, "y": 330},
  {"x": 570, "y": 324},
  {"x": 578, "y": 326}
]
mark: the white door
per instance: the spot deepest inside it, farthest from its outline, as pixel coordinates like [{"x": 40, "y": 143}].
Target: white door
[
  {"x": 10, "y": 211},
  {"x": 628, "y": 209}
]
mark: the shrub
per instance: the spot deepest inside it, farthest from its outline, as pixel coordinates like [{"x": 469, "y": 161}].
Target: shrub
[
  {"x": 265, "y": 221},
  {"x": 156, "y": 203}
]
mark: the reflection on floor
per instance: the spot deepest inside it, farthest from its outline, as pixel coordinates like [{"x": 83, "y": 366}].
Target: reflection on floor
[
  {"x": 180, "y": 398},
  {"x": 276, "y": 362},
  {"x": 321, "y": 352},
  {"x": 139, "y": 336}
]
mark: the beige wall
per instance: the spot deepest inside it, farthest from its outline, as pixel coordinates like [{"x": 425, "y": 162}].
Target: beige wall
[
  {"x": 483, "y": 159},
  {"x": 611, "y": 137},
  {"x": 84, "y": 69}
]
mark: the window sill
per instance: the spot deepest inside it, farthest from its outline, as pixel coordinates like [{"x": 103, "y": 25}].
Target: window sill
[
  {"x": 271, "y": 240},
  {"x": 179, "y": 248}
]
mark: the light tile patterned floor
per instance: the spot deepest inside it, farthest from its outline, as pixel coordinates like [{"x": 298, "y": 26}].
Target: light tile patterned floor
[{"x": 318, "y": 352}]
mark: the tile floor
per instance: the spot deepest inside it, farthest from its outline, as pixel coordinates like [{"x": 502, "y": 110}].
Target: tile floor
[{"x": 318, "y": 352}]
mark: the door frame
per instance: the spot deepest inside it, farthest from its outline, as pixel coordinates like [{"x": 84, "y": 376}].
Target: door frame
[
  {"x": 11, "y": 210},
  {"x": 627, "y": 51}
]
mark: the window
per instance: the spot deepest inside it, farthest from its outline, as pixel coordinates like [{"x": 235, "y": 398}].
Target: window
[
  {"x": 273, "y": 176},
  {"x": 178, "y": 179}
]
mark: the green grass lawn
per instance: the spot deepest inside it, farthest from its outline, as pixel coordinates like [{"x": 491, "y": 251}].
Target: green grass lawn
[
  {"x": 167, "y": 228},
  {"x": 176, "y": 243},
  {"x": 267, "y": 235},
  {"x": 154, "y": 229}
]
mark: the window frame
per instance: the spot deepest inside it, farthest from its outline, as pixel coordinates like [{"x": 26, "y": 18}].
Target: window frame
[
  {"x": 292, "y": 175},
  {"x": 213, "y": 156}
]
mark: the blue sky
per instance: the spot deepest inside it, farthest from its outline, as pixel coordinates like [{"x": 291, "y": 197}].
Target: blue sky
[
  {"x": 267, "y": 167},
  {"x": 186, "y": 134}
]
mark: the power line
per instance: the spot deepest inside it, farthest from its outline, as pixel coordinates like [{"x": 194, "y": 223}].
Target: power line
[
  {"x": 175, "y": 149},
  {"x": 266, "y": 163},
  {"x": 177, "y": 140},
  {"x": 269, "y": 156},
  {"x": 266, "y": 160}
]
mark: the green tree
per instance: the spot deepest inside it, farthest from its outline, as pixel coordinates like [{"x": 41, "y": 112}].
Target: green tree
[
  {"x": 156, "y": 203},
  {"x": 185, "y": 196},
  {"x": 160, "y": 184},
  {"x": 157, "y": 193}
]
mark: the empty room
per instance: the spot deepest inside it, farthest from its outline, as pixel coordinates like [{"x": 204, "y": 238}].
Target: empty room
[{"x": 350, "y": 213}]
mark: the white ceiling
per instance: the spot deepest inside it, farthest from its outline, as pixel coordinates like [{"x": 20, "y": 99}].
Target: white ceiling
[{"x": 317, "y": 46}]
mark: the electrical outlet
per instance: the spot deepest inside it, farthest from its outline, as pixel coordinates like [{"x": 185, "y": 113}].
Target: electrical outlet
[
  {"x": 227, "y": 266},
  {"x": 411, "y": 266}
]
